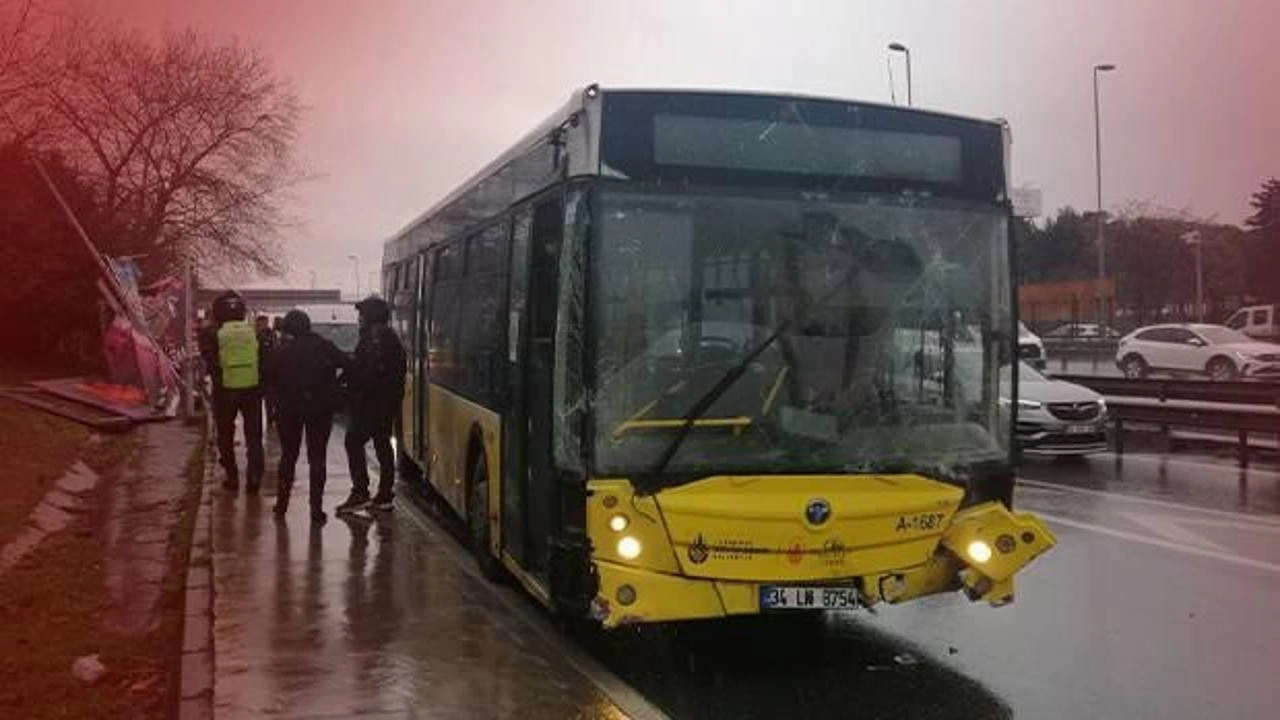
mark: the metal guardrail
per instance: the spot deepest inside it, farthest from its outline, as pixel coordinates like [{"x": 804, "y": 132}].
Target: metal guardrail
[
  {"x": 1234, "y": 393},
  {"x": 1239, "y": 407},
  {"x": 1075, "y": 347}
]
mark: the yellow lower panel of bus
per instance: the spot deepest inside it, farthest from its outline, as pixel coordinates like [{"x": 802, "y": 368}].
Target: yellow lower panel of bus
[
  {"x": 453, "y": 421},
  {"x": 630, "y": 595},
  {"x": 704, "y": 550},
  {"x": 800, "y": 528}
]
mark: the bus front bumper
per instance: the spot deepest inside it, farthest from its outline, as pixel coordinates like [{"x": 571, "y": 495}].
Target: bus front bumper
[{"x": 981, "y": 551}]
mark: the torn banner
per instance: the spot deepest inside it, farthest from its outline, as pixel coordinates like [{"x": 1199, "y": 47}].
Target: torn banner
[{"x": 140, "y": 357}]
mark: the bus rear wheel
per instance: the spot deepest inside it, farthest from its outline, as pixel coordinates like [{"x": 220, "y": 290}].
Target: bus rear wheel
[{"x": 478, "y": 518}]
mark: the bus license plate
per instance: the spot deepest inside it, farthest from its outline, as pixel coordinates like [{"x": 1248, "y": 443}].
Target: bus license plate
[
  {"x": 800, "y": 597},
  {"x": 1080, "y": 429}
]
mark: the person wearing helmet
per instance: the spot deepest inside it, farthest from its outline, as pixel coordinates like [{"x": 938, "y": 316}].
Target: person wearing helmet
[
  {"x": 375, "y": 389},
  {"x": 233, "y": 359},
  {"x": 302, "y": 380}
]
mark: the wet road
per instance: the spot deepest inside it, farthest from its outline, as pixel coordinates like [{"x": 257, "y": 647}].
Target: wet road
[
  {"x": 1149, "y": 607},
  {"x": 1157, "y": 603}
]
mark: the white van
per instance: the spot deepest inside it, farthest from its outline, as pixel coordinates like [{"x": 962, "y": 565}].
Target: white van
[
  {"x": 338, "y": 322},
  {"x": 1257, "y": 321}
]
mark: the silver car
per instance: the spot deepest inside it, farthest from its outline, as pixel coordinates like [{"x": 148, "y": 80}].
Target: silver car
[{"x": 1057, "y": 417}]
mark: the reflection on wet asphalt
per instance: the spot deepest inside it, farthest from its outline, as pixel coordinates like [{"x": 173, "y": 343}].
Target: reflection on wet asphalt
[
  {"x": 368, "y": 617},
  {"x": 1158, "y": 602},
  {"x": 1182, "y": 470},
  {"x": 791, "y": 667}
]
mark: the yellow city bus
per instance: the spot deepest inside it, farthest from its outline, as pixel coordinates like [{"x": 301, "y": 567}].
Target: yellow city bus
[{"x": 681, "y": 355}]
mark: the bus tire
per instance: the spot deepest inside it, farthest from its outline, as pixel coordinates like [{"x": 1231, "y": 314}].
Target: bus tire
[{"x": 478, "y": 516}]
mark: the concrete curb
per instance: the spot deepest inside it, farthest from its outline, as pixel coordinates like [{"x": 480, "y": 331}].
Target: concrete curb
[{"x": 196, "y": 673}]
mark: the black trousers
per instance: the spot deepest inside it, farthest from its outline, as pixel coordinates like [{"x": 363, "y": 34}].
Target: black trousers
[
  {"x": 366, "y": 426},
  {"x": 246, "y": 403},
  {"x": 293, "y": 426}
]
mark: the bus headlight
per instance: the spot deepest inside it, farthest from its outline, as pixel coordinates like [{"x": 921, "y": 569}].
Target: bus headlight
[
  {"x": 629, "y": 548},
  {"x": 978, "y": 551},
  {"x": 618, "y": 523}
]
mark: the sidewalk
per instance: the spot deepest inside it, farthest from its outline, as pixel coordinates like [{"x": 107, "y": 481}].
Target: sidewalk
[{"x": 370, "y": 617}]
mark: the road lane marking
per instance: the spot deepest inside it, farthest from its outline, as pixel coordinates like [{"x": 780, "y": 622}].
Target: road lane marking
[
  {"x": 1153, "y": 502},
  {"x": 1157, "y": 542},
  {"x": 1171, "y": 529},
  {"x": 627, "y": 699},
  {"x": 1249, "y": 526}
]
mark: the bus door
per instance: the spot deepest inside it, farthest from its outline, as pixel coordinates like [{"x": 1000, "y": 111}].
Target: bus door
[
  {"x": 426, "y": 279},
  {"x": 403, "y": 291},
  {"x": 530, "y": 497},
  {"x": 514, "y": 426}
]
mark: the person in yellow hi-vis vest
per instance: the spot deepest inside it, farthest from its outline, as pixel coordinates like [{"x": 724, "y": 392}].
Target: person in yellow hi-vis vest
[{"x": 233, "y": 359}]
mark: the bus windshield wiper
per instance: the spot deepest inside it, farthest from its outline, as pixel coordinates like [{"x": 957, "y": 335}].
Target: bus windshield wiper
[
  {"x": 731, "y": 376},
  {"x": 910, "y": 263}
]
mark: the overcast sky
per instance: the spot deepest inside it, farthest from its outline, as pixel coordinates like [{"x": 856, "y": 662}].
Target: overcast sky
[{"x": 408, "y": 97}]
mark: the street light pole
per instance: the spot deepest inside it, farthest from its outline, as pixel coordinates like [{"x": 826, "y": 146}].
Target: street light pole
[
  {"x": 1199, "y": 281},
  {"x": 1099, "y": 222},
  {"x": 899, "y": 47},
  {"x": 356, "y": 260},
  {"x": 1193, "y": 239},
  {"x": 1097, "y": 147}
]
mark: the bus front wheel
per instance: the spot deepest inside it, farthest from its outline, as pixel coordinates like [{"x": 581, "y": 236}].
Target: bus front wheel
[{"x": 478, "y": 518}]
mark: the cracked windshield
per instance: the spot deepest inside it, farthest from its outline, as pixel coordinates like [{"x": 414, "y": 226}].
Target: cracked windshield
[
  {"x": 685, "y": 359},
  {"x": 794, "y": 335}
]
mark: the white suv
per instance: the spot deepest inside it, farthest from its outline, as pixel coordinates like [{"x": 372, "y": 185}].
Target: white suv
[{"x": 1219, "y": 352}]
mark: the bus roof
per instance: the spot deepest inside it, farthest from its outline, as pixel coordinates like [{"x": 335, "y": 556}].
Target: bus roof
[
  {"x": 523, "y": 145},
  {"x": 568, "y": 112}
]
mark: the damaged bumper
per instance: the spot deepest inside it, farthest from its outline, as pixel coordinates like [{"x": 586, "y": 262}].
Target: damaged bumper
[{"x": 662, "y": 560}]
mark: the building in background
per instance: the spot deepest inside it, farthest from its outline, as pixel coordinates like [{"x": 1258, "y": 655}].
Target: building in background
[
  {"x": 1044, "y": 306},
  {"x": 272, "y": 301}
]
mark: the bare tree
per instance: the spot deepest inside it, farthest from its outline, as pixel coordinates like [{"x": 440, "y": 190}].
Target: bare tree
[
  {"x": 25, "y": 66},
  {"x": 16, "y": 47},
  {"x": 190, "y": 143}
]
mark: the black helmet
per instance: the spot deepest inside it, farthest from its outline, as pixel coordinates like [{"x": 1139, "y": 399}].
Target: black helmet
[
  {"x": 295, "y": 323},
  {"x": 374, "y": 309},
  {"x": 228, "y": 306}
]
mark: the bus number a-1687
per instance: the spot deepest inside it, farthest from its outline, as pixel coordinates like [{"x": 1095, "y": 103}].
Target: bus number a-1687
[{"x": 920, "y": 522}]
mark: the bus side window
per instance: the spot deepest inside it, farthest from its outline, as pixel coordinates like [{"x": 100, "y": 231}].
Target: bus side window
[
  {"x": 442, "y": 347},
  {"x": 424, "y": 305},
  {"x": 404, "y": 297},
  {"x": 482, "y": 325}
]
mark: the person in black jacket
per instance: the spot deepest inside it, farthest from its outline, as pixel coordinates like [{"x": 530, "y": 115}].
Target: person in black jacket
[
  {"x": 375, "y": 388},
  {"x": 302, "y": 380},
  {"x": 267, "y": 344}
]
